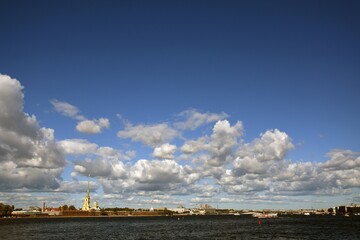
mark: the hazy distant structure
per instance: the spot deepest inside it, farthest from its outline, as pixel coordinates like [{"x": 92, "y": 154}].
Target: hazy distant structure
[
  {"x": 96, "y": 206},
  {"x": 86, "y": 206}
]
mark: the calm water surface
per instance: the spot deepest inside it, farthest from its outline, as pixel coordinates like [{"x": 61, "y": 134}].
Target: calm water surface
[{"x": 188, "y": 227}]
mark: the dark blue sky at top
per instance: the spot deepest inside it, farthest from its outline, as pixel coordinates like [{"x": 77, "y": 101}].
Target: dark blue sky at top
[{"x": 292, "y": 65}]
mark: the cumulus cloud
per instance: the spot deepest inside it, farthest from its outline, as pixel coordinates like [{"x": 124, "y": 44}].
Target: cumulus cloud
[
  {"x": 150, "y": 135},
  {"x": 338, "y": 175},
  {"x": 220, "y": 164},
  {"x": 272, "y": 145},
  {"x": 194, "y": 119},
  {"x": 143, "y": 176},
  {"x": 218, "y": 148},
  {"x": 223, "y": 139},
  {"x": 101, "y": 162},
  {"x": 259, "y": 155},
  {"x": 342, "y": 159},
  {"x": 284, "y": 178},
  {"x": 30, "y": 157},
  {"x": 14, "y": 178},
  {"x": 165, "y": 151},
  {"x": 194, "y": 146},
  {"x": 93, "y": 126},
  {"x": 164, "y": 171},
  {"x": 84, "y": 125}
]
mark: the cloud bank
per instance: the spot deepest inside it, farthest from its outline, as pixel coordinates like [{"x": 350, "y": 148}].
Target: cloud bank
[
  {"x": 217, "y": 166},
  {"x": 29, "y": 155}
]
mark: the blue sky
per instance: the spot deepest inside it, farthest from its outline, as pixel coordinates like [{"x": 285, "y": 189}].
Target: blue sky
[{"x": 244, "y": 104}]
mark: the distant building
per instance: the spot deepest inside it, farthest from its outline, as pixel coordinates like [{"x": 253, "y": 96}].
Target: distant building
[
  {"x": 207, "y": 209},
  {"x": 180, "y": 209},
  {"x": 96, "y": 206},
  {"x": 27, "y": 213},
  {"x": 86, "y": 206},
  {"x": 52, "y": 211},
  {"x": 355, "y": 211},
  {"x": 204, "y": 210},
  {"x": 348, "y": 210},
  {"x": 341, "y": 210}
]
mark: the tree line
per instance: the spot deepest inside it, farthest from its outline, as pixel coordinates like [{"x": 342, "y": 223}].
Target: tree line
[
  {"x": 6, "y": 210},
  {"x": 66, "y": 207}
]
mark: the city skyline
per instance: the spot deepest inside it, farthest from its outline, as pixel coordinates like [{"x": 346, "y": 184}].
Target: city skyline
[{"x": 244, "y": 105}]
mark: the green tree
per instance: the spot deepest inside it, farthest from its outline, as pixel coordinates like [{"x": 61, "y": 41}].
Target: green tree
[
  {"x": 5, "y": 210},
  {"x": 72, "y": 207},
  {"x": 64, "y": 207}
]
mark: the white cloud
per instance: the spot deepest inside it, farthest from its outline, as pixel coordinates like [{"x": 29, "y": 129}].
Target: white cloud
[
  {"x": 84, "y": 147},
  {"x": 14, "y": 178},
  {"x": 194, "y": 119},
  {"x": 342, "y": 159},
  {"x": 221, "y": 163},
  {"x": 80, "y": 169},
  {"x": 156, "y": 171},
  {"x": 272, "y": 145},
  {"x": 93, "y": 126},
  {"x": 84, "y": 125},
  {"x": 280, "y": 178},
  {"x": 194, "y": 146},
  {"x": 29, "y": 155},
  {"x": 204, "y": 190},
  {"x": 140, "y": 178},
  {"x": 67, "y": 109},
  {"x": 77, "y": 146},
  {"x": 246, "y": 186},
  {"x": 223, "y": 139},
  {"x": 101, "y": 167},
  {"x": 150, "y": 135},
  {"x": 165, "y": 151},
  {"x": 258, "y": 156},
  {"x": 218, "y": 148}
]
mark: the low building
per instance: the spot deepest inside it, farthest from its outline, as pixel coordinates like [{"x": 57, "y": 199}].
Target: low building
[
  {"x": 180, "y": 209},
  {"x": 52, "y": 211},
  {"x": 28, "y": 213}
]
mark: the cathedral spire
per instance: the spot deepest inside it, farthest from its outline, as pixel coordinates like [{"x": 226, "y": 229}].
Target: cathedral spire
[
  {"x": 86, "y": 206},
  {"x": 88, "y": 188}
]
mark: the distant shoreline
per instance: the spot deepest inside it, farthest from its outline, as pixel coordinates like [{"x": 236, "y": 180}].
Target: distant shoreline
[
  {"x": 170, "y": 216},
  {"x": 87, "y": 216}
]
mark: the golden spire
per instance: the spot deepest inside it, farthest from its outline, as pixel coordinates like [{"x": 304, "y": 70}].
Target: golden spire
[
  {"x": 88, "y": 188},
  {"x": 86, "y": 206}
]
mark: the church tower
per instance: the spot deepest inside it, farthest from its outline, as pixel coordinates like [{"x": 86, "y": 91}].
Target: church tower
[{"x": 86, "y": 206}]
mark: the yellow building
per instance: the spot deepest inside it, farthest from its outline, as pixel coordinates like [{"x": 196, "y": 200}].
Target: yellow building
[
  {"x": 86, "y": 206},
  {"x": 96, "y": 206}
]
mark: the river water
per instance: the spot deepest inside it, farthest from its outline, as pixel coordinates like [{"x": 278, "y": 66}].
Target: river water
[{"x": 188, "y": 227}]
